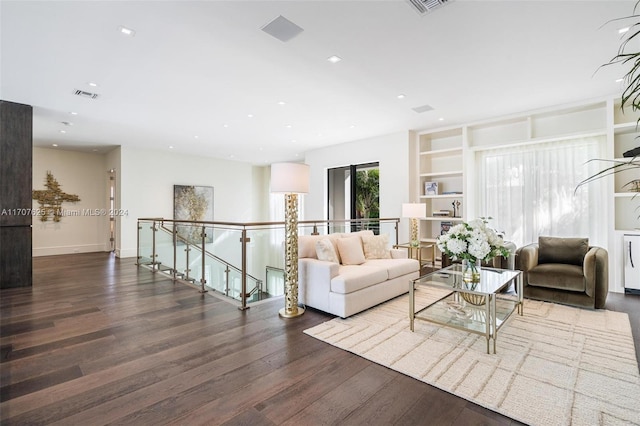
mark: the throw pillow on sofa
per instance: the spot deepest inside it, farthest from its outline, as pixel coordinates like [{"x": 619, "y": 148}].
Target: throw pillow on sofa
[
  {"x": 376, "y": 246},
  {"x": 350, "y": 250},
  {"x": 325, "y": 251}
]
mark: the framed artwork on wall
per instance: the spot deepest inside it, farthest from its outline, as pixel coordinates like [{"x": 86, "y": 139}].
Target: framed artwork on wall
[{"x": 193, "y": 203}]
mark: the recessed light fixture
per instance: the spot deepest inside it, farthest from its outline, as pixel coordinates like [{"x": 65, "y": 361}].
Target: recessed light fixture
[
  {"x": 54, "y": 144},
  {"x": 619, "y": 80},
  {"x": 225, "y": 125},
  {"x": 353, "y": 126},
  {"x": 63, "y": 131},
  {"x": 73, "y": 113},
  {"x": 334, "y": 59},
  {"x": 288, "y": 126},
  {"x": 402, "y": 96},
  {"x": 440, "y": 119},
  {"x": 126, "y": 31},
  {"x": 623, "y": 30},
  {"x": 231, "y": 156},
  {"x": 92, "y": 84},
  {"x": 282, "y": 103},
  {"x": 250, "y": 115},
  {"x": 196, "y": 137},
  {"x": 293, "y": 141},
  {"x": 170, "y": 146}
]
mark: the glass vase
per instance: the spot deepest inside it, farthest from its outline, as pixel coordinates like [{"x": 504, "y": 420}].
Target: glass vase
[{"x": 471, "y": 270}]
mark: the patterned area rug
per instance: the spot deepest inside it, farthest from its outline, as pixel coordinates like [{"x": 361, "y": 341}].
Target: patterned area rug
[{"x": 556, "y": 365}]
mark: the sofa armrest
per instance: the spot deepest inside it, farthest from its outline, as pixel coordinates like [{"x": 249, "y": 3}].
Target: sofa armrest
[
  {"x": 314, "y": 282},
  {"x": 526, "y": 259},
  {"x": 596, "y": 274},
  {"x": 399, "y": 254}
]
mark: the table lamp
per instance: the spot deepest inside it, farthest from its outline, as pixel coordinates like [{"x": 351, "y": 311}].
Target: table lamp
[{"x": 413, "y": 211}]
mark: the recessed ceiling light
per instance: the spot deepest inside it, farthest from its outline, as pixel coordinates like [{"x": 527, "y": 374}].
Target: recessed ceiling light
[
  {"x": 126, "y": 31},
  {"x": 54, "y": 144},
  {"x": 225, "y": 125},
  {"x": 282, "y": 103},
  {"x": 73, "y": 113},
  {"x": 623, "y": 30},
  {"x": 288, "y": 126},
  {"x": 170, "y": 146},
  {"x": 63, "y": 131},
  {"x": 352, "y": 126},
  {"x": 250, "y": 115},
  {"x": 92, "y": 84},
  {"x": 293, "y": 141},
  {"x": 619, "y": 80},
  {"x": 196, "y": 137},
  {"x": 440, "y": 119},
  {"x": 334, "y": 59},
  {"x": 231, "y": 156},
  {"x": 402, "y": 96}
]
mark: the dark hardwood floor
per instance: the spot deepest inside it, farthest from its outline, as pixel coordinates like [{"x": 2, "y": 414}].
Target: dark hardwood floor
[{"x": 99, "y": 341}]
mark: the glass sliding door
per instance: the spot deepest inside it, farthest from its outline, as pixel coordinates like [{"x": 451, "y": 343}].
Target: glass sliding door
[{"x": 354, "y": 193}]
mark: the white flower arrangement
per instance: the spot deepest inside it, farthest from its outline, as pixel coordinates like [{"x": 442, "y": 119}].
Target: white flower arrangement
[{"x": 472, "y": 241}]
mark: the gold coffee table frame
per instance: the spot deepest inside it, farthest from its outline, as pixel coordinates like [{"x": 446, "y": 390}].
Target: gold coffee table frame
[{"x": 452, "y": 310}]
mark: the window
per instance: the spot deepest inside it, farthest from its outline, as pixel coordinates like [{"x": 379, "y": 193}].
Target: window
[{"x": 530, "y": 190}]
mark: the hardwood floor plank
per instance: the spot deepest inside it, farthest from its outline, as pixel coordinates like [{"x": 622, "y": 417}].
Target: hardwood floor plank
[{"x": 98, "y": 340}]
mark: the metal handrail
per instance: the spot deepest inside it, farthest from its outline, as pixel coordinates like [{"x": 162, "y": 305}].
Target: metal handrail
[{"x": 244, "y": 227}]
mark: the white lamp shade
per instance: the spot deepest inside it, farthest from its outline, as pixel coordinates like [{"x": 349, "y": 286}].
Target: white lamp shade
[
  {"x": 414, "y": 210},
  {"x": 290, "y": 178}
]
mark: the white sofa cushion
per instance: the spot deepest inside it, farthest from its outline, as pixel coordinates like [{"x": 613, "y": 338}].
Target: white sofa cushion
[
  {"x": 394, "y": 267},
  {"x": 350, "y": 249},
  {"x": 307, "y": 245},
  {"x": 356, "y": 277},
  {"x": 376, "y": 246},
  {"x": 326, "y": 251}
]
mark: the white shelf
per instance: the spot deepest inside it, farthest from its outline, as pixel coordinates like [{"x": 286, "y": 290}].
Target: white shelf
[
  {"x": 629, "y": 194},
  {"x": 442, "y": 196},
  {"x": 442, "y": 151},
  {"x": 450, "y": 173},
  {"x": 629, "y": 127}
]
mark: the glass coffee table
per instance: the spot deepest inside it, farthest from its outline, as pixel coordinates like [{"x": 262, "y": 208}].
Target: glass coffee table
[{"x": 479, "y": 307}]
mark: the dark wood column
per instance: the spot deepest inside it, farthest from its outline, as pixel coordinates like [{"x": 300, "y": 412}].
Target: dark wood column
[{"x": 16, "y": 152}]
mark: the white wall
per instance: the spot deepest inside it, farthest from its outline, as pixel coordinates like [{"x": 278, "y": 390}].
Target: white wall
[
  {"x": 390, "y": 151},
  {"x": 146, "y": 182},
  {"x": 84, "y": 175}
]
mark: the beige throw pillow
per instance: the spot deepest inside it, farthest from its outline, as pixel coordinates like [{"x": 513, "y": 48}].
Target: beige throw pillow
[
  {"x": 376, "y": 246},
  {"x": 325, "y": 251},
  {"x": 350, "y": 249}
]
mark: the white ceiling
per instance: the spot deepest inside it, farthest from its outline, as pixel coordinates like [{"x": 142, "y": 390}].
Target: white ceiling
[{"x": 194, "y": 67}]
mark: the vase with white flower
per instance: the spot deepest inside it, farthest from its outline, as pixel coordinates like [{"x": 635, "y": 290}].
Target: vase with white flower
[{"x": 472, "y": 242}]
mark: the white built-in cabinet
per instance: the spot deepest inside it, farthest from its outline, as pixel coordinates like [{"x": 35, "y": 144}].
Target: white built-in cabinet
[{"x": 447, "y": 156}]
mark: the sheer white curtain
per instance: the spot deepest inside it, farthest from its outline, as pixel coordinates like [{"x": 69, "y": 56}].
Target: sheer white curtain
[{"x": 530, "y": 190}]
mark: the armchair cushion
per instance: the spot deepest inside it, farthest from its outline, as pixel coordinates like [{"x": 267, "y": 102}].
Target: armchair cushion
[
  {"x": 559, "y": 276},
  {"x": 562, "y": 250}
]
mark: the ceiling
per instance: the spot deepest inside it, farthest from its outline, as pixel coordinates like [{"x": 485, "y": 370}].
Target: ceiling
[{"x": 202, "y": 78}]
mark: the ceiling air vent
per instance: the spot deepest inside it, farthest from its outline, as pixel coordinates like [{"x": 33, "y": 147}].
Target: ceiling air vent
[
  {"x": 84, "y": 94},
  {"x": 422, "y": 108},
  {"x": 425, "y": 6}
]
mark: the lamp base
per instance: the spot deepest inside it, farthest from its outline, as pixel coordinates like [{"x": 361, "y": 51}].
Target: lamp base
[{"x": 284, "y": 314}]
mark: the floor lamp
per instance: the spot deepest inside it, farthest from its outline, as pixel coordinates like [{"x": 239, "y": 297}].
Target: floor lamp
[
  {"x": 290, "y": 179},
  {"x": 413, "y": 211}
]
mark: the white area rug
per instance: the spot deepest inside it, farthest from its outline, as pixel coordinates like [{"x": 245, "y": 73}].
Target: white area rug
[{"x": 556, "y": 365}]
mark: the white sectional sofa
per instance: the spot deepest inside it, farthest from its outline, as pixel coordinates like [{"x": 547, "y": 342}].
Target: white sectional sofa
[{"x": 361, "y": 272}]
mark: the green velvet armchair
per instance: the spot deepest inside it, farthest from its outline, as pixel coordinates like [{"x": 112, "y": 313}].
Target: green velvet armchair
[{"x": 565, "y": 270}]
